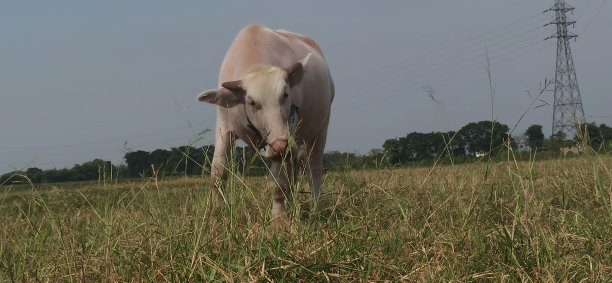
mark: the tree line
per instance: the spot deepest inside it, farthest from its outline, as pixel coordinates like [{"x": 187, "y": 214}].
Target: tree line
[
  {"x": 464, "y": 145},
  {"x": 487, "y": 137},
  {"x": 97, "y": 169},
  {"x": 473, "y": 138},
  {"x": 183, "y": 160},
  {"x": 188, "y": 160}
]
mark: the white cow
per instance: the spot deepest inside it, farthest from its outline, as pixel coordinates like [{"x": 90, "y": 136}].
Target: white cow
[
  {"x": 481, "y": 154},
  {"x": 275, "y": 92},
  {"x": 573, "y": 149}
]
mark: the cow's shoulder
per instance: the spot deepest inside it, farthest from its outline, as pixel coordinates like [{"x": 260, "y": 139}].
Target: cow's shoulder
[
  {"x": 305, "y": 39},
  {"x": 254, "y": 29},
  {"x": 252, "y": 33}
]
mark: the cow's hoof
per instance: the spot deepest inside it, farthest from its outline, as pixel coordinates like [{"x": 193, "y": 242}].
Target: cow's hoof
[
  {"x": 278, "y": 212},
  {"x": 282, "y": 224}
]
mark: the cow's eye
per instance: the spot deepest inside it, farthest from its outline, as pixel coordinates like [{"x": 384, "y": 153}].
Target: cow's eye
[
  {"x": 286, "y": 94},
  {"x": 252, "y": 103}
]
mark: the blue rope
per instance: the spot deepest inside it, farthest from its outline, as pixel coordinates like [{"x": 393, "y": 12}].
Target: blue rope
[{"x": 292, "y": 112}]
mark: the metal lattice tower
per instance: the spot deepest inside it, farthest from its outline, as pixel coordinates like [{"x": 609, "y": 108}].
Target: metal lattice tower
[{"x": 568, "y": 113}]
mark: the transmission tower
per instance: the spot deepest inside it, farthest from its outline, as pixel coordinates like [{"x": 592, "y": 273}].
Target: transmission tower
[{"x": 568, "y": 113}]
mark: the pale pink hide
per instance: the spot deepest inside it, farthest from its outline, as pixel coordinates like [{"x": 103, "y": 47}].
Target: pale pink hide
[{"x": 258, "y": 48}]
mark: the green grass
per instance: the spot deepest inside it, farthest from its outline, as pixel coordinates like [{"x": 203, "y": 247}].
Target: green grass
[{"x": 505, "y": 221}]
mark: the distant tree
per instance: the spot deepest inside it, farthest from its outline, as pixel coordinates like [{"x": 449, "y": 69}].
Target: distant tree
[
  {"x": 375, "y": 158},
  {"x": 606, "y": 132},
  {"x": 606, "y": 136},
  {"x": 393, "y": 149},
  {"x": 418, "y": 146},
  {"x": 55, "y": 175},
  {"x": 436, "y": 145},
  {"x": 6, "y": 179},
  {"x": 91, "y": 170},
  {"x": 375, "y": 152},
  {"x": 598, "y": 137},
  {"x": 415, "y": 146},
  {"x": 455, "y": 144},
  {"x": 337, "y": 159},
  {"x": 121, "y": 171},
  {"x": 159, "y": 158},
  {"x": 33, "y": 170},
  {"x": 185, "y": 160},
  {"x": 34, "y": 174},
  {"x": 421, "y": 146},
  {"x": 555, "y": 142},
  {"x": 474, "y": 137},
  {"x": 196, "y": 161},
  {"x": 594, "y": 135},
  {"x": 137, "y": 163},
  {"x": 482, "y": 136},
  {"x": 535, "y": 137}
]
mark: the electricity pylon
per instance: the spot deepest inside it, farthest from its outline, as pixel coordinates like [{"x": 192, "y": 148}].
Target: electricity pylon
[{"x": 568, "y": 113}]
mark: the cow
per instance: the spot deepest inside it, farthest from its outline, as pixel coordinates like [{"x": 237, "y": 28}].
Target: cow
[
  {"x": 571, "y": 149},
  {"x": 275, "y": 93},
  {"x": 481, "y": 154}
]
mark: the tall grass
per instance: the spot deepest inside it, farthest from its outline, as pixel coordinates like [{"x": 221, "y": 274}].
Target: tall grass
[{"x": 528, "y": 220}]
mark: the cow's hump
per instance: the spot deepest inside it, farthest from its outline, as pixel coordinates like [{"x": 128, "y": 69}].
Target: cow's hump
[{"x": 305, "y": 39}]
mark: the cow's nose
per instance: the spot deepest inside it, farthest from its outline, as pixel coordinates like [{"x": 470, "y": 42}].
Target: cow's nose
[{"x": 279, "y": 146}]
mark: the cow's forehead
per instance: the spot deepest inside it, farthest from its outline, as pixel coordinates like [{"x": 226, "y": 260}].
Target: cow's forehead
[{"x": 265, "y": 81}]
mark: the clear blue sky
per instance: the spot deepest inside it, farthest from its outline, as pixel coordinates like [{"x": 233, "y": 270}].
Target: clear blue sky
[{"x": 91, "y": 79}]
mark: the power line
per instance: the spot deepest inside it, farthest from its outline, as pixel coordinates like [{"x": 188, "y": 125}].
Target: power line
[
  {"x": 454, "y": 57},
  {"x": 433, "y": 63},
  {"x": 456, "y": 49},
  {"x": 433, "y": 74},
  {"x": 595, "y": 16},
  {"x": 468, "y": 39},
  {"x": 584, "y": 10},
  {"x": 386, "y": 93}
]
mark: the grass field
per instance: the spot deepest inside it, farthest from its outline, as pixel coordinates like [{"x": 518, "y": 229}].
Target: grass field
[{"x": 503, "y": 221}]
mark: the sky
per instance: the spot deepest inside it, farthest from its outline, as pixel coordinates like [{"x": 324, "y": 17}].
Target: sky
[{"x": 81, "y": 80}]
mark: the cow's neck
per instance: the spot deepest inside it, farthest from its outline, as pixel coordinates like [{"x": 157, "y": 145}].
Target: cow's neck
[{"x": 254, "y": 129}]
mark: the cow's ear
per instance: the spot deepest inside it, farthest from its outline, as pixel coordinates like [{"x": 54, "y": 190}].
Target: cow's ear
[
  {"x": 295, "y": 72},
  {"x": 228, "y": 96}
]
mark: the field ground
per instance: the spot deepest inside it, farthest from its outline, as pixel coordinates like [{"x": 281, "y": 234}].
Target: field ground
[{"x": 504, "y": 221}]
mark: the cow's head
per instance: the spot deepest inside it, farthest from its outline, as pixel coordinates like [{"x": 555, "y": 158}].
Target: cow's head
[{"x": 265, "y": 94}]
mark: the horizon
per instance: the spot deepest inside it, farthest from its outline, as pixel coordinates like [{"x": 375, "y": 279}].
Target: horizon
[{"x": 244, "y": 145}]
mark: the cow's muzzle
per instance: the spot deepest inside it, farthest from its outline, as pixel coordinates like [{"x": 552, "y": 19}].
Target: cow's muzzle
[{"x": 277, "y": 148}]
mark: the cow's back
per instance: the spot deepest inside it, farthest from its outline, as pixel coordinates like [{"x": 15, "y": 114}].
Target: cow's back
[
  {"x": 258, "y": 45},
  {"x": 300, "y": 38}
]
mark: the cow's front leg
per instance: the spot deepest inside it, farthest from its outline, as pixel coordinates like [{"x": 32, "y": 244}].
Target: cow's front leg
[
  {"x": 315, "y": 170},
  {"x": 278, "y": 181},
  {"x": 224, "y": 141},
  {"x": 315, "y": 177}
]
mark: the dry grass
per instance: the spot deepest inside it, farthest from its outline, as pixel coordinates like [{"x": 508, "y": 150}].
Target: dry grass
[{"x": 512, "y": 221}]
